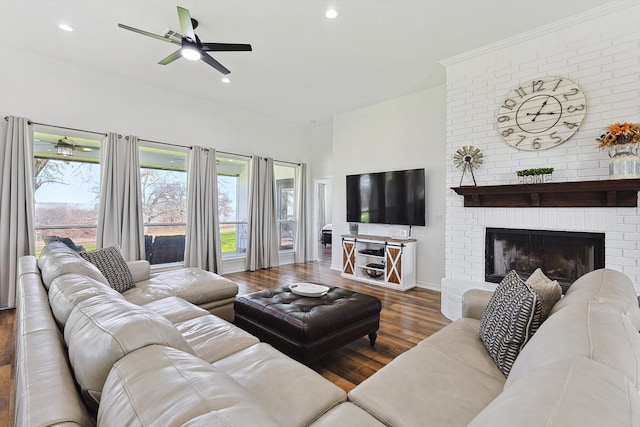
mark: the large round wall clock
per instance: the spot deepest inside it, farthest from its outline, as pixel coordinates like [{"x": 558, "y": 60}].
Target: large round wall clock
[{"x": 542, "y": 113}]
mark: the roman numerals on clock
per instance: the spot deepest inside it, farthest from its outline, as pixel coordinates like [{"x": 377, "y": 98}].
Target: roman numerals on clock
[{"x": 541, "y": 113}]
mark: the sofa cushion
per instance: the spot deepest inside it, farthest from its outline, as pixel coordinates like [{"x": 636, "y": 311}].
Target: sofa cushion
[
  {"x": 148, "y": 291},
  {"x": 52, "y": 248},
  {"x": 59, "y": 262},
  {"x": 594, "y": 330},
  {"x": 213, "y": 338},
  {"x": 112, "y": 266},
  {"x": 570, "y": 392},
  {"x": 68, "y": 290},
  {"x": 161, "y": 386},
  {"x": 197, "y": 285},
  {"x": 175, "y": 309},
  {"x": 45, "y": 392},
  {"x": 446, "y": 380},
  {"x": 604, "y": 285},
  {"x": 548, "y": 291},
  {"x": 512, "y": 316},
  {"x": 294, "y": 394},
  {"x": 102, "y": 329}
]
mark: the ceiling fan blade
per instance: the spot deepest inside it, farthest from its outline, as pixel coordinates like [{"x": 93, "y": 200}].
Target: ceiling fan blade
[
  {"x": 226, "y": 47},
  {"x": 169, "y": 59},
  {"x": 215, "y": 64},
  {"x": 185, "y": 23},
  {"x": 148, "y": 34}
]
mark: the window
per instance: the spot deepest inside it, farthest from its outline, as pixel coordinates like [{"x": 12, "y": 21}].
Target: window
[
  {"x": 285, "y": 205},
  {"x": 233, "y": 196},
  {"x": 66, "y": 176},
  {"x": 163, "y": 178}
]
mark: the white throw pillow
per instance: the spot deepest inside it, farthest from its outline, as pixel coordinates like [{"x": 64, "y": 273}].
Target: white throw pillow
[{"x": 549, "y": 291}]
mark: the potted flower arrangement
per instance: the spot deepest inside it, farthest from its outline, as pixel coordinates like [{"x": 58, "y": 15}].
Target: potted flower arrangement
[
  {"x": 619, "y": 134},
  {"x": 534, "y": 176},
  {"x": 622, "y": 139}
]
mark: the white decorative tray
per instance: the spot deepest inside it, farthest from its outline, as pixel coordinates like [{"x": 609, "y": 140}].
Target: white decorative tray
[{"x": 309, "y": 289}]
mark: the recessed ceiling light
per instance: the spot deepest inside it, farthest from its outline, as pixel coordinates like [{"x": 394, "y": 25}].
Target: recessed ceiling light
[
  {"x": 331, "y": 13},
  {"x": 226, "y": 80},
  {"x": 65, "y": 27}
]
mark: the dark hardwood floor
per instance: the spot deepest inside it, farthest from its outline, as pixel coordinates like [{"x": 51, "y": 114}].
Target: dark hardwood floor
[{"x": 406, "y": 319}]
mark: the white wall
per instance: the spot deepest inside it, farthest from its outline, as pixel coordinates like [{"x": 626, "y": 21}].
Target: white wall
[
  {"x": 599, "y": 51},
  {"x": 402, "y": 133},
  {"x": 321, "y": 150},
  {"x": 55, "y": 92}
]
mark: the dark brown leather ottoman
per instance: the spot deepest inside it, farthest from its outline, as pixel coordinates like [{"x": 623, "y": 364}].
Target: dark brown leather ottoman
[{"x": 306, "y": 328}]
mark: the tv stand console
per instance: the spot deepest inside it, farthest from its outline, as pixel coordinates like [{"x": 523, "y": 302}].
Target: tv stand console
[{"x": 379, "y": 260}]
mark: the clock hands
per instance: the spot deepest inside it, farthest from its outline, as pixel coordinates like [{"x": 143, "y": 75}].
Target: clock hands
[
  {"x": 535, "y": 115},
  {"x": 539, "y": 114}
]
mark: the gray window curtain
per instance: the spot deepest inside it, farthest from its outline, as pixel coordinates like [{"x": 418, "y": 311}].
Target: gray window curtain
[
  {"x": 202, "y": 247},
  {"x": 16, "y": 209},
  {"x": 120, "y": 219},
  {"x": 262, "y": 234},
  {"x": 302, "y": 242}
]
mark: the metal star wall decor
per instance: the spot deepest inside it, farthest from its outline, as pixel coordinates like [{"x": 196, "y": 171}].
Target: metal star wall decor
[{"x": 467, "y": 157}]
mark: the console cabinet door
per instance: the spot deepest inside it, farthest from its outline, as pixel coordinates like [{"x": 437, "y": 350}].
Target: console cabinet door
[
  {"x": 393, "y": 264},
  {"x": 348, "y": 257}
]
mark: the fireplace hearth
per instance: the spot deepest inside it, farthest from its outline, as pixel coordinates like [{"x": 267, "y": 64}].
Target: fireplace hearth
[{"x": 562, "y": 255}]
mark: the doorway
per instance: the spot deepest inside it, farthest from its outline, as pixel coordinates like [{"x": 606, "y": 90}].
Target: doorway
[{"x": 322, "y": 220}]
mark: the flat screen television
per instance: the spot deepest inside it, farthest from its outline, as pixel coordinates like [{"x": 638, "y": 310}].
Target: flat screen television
[{"x": 395, "y": 197}]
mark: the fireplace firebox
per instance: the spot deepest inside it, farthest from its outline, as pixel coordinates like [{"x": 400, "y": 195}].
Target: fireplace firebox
[{"x": 563, "y": 256}]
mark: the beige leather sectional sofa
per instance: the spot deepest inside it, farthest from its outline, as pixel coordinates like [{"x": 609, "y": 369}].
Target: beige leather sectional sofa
[{"x": 83, "y": 347}]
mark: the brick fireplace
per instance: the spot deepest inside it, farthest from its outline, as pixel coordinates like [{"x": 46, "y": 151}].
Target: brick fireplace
[
  {"x": 466, "y": 230},
  {"x": 477, "y": 84}
]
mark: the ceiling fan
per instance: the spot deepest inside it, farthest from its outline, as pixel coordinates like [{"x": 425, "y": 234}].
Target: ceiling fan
[
  {"x": 66, "y": 147},
  {"x": 191, "y": 47}
]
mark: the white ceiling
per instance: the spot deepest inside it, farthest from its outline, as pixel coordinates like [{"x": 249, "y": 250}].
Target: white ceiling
[{"x": 304, "y": 68}]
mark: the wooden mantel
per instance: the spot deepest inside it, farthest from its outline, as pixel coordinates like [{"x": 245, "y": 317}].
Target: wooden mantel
[{"x": 606, "y": 193}]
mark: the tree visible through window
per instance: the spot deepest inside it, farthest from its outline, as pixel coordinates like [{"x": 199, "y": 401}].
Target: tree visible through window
[
  {"x": 233, "y": 182},
  {"x": 163, "y": 180},
  {"x": 66, "y": 190}
]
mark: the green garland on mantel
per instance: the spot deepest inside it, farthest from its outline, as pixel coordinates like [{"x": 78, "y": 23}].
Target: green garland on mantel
[{"x": 536, "y": 171}]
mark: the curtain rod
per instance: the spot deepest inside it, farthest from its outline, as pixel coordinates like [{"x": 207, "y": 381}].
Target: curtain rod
[
  {"x": 64, "y": 127},
  {"x": 158, "y": 142},
  {"x": 145, "y": 140},
  {"x": 178, "y": 145},
  {"x": 217, "y": 151},
  {"x": 284, "y": 161}
]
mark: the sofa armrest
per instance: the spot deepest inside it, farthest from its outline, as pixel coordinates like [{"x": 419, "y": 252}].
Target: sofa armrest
[
  {"x": 474, "y": 301},
  {"x": 141, "y": 270}
]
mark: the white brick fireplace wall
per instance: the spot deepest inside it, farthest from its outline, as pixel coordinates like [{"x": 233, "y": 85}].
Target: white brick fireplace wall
[{"x": 601, "y": 52}]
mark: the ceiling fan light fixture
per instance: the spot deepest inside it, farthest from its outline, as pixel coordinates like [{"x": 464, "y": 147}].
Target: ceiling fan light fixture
[
  {"x": 64, "y": 147},
  {"x": 190, "y": 52}
]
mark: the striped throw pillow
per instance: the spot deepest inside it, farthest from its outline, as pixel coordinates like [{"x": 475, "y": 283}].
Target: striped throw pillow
[
  {"x": 513, "y": 315},
  {"x": 112, "y": 266}
]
